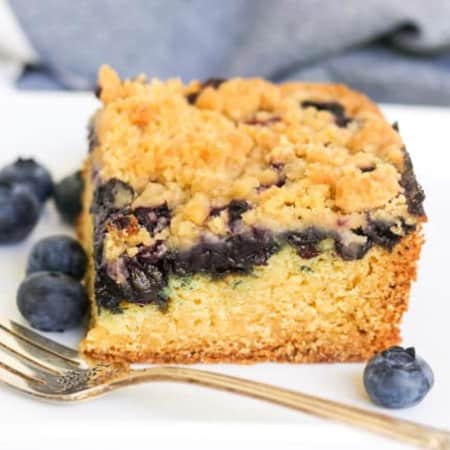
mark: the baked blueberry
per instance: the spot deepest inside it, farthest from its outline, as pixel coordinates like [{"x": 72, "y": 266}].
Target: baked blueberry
[
  {"x": 30, "y": 173},
  {"x": 236, "y": 208},
  {"x": 136, "y": 279},
  {"x": 397, "y": 378},
  {"x": 353, "y": 250},
  {"x": 306, "y": 242},
  {"x": 213, "y": 82},
  {"x": 112, "y": 196},
  {"x": 263, "y": 122},
  {"x": 381, "y": 234},
  {"x": 52, "y": 301},
  {"x": 153, "y": 219},
  {"x": 58, "y": 254},
  {"x": 144, "y": 283},
  {"x": 413, "y": 190},
  {"x": 68, "y": 194},
  {"x": 334, "y": 108},
  {"x": 92, "y": 134},
  {"x": 120, "y": 221},
  {"x": 19, "y": 212},
  {"x": 210, "y": 82}
]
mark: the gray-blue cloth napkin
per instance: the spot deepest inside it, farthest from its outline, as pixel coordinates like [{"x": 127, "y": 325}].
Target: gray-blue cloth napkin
[{"x": 395, "y": 50}]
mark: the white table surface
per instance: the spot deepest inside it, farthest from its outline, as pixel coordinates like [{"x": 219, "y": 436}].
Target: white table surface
[{"x": 52, "y": 128}]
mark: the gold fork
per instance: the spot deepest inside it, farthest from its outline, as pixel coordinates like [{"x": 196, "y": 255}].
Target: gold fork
[{"x": 35, "y": 365}]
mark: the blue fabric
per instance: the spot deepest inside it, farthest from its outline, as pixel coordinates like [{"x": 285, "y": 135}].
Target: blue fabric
[{"x": 395, "y": 50}]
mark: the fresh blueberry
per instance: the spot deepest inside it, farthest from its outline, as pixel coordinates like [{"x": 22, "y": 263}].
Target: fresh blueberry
[
  {"x": 68, "y": 197},
  {"x": 58, "y": 254},
  {"x": 397, "y": 378},
  {"x": 31, "y": 174},
  {"x": 52, "y": 301},
  {"x": 19, "y": 212}
]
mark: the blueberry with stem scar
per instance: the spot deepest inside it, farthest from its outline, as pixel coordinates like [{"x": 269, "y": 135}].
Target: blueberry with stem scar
[{"x": 397, "y": 378}]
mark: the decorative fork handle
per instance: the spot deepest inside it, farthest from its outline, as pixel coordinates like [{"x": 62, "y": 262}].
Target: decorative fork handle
[{"x": 402, "y": 430}]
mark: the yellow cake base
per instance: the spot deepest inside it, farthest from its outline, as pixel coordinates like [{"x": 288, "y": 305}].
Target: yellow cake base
[{"x": 320, "y": 309}]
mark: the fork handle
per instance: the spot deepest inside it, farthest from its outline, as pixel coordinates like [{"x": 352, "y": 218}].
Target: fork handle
[{"x": 402, "y": 430}]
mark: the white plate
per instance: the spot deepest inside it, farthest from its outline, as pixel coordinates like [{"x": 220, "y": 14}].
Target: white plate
[{"x": 52, "y": 127}]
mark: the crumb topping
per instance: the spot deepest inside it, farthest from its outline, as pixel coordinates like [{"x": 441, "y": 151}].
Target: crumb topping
[{"x": 300, "y": 154}]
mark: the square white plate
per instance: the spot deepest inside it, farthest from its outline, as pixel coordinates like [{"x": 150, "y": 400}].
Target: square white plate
[{"x": 52, "y": 128}]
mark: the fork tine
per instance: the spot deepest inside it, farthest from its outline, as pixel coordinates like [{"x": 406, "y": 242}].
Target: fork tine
[
  {"x": 15, "y": 381},
  {"x": 32, "y": 354},
  {"x": 22, "y": 369},
  {"x": 47, "y": 345},
  {"x": 25, "y": 377}
]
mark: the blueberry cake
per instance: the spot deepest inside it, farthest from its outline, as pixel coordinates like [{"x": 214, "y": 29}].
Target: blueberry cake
[{"x": 238, "y": 220}]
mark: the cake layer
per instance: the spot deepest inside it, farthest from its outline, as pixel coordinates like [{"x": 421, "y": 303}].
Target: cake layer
[
  {"x": 237, "y": 202},
  {"x": 292, "y": 309}
]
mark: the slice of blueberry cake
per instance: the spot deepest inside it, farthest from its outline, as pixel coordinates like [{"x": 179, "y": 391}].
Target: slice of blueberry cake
[{"x": 238, "y": 220}]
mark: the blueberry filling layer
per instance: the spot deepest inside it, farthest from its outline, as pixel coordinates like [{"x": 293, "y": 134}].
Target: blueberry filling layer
[
  {"x": 143, "y": 278},
  {"x": 334, "y": 108},
  {"x": 236, "y": 254}
]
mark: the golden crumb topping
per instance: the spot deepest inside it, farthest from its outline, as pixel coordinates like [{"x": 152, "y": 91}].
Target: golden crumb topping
[{"x": 298, "y": 153}]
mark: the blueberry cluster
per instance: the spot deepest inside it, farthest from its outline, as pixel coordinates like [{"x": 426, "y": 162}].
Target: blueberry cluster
[
  {"x": 25, "y": 186},
  {"x": 51, "y": 298}
]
